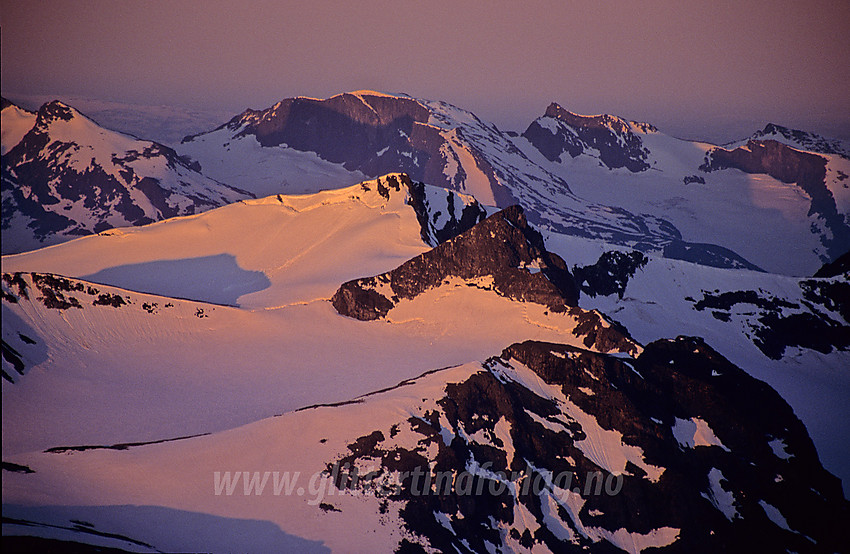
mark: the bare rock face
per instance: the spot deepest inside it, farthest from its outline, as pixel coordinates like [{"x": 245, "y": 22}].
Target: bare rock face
[
  {"x": 839, "y": 266},
  {"x": 369, "y": 132},
  {"x": 610, "y": 274},
  {"x": 503, "y": 246},
  {"x": 560, "y": 131},
  {"x": 556, "y": 446},
  {"x": 803, "y": 140},
  {"x": 440, "y": 218},
  {"x": 360, "y": 129}
]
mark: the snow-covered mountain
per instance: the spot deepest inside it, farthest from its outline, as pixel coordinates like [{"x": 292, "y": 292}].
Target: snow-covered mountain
[
  {"x": 781, "y": 199},
  {"x": 65, "y": 176},
  {"x": 368, "y": 133},
  {"x": 544, "y": 447},
  {"x": 790, "y": 332},
  {"x": 531, "y": 319},
  {"x": 174, "y": 386}
]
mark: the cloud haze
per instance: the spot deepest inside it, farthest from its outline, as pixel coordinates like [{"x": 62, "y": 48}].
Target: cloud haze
[{"x": 683, "y": 65}]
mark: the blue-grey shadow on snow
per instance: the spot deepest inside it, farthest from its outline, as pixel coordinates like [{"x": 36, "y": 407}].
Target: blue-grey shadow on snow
[
  {"x": 152, "y": 528},
  {"x": 216, "y": 279}
]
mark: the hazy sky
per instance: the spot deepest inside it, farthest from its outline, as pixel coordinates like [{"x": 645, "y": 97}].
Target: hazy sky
[{"x": 691, "y": 67}]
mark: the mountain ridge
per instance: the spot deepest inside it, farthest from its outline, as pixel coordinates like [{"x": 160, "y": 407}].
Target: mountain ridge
[{"x": 66, "y": 176}]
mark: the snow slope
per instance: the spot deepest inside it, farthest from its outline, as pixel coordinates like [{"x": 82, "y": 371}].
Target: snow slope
[
  {"x": 259, "y": 254},
  {"x": 283, "y": 347},
  {"x": 528, "y": 421}
]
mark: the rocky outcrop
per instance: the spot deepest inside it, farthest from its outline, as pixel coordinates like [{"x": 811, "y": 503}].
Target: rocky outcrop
[
  {"x": 375, "y": 134},
  {"x": 802, "y": 139},
  {"x": 711, "y": 255},
  {"x": 503, "y": 247},
  {"x": 361, "y": 126},
  {"x": 818, "y": 322},
  {"x": 839, "y": 266},
  {"x": 610, "y": 274},
  {"x": 560, "y": 447},
  {"x": 442, "y": 214},
  {"x": 560, "y": 131}
]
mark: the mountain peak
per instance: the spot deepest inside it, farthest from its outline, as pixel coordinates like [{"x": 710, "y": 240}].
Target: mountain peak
[
  {"x": 613, "y": 122},
  {"x": 56, "y": 110},
  {"x": 802, "y": 139},
  {"x": 503, "y": 247},
  {"x": 617, "y": 140},
  {"x": 65, "y": 176}
]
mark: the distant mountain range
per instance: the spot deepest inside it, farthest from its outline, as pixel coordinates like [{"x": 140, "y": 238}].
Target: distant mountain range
[
  {"x": 595, "y": 176},
  {"x": 589, "y": 336}
]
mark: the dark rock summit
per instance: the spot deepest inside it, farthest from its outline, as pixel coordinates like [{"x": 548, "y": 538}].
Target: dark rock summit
[
  {"x": 560, "y": 131},
  {"x": 802, "y": 139},
  {"x": 367, "y": 131},
  {"x": 610, "y": 274},
  {"x": 839, "y": 266},
  {"x": 503, "y": 246},
  {"x": 819, "y": 321}
]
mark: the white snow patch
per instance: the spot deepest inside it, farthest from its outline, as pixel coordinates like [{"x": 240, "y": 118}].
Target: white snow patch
[
  {"x": 694, "y": 432},
  {"x": 779, "y": 449},
  {"x": 719, "y": 497},
  {"x": 775, "y": 515}
]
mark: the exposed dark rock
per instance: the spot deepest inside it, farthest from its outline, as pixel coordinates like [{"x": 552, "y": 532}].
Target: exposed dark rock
[
  {"x": 503, "y": 246},
  {"x": 16, "y": 468},
  {"x": 805, "y": 330},
  {"x": 689, "y": 179},
  {"x": 325, "y": 507},
  {"x": 839, "y": 266},
  {"x": 574, "y": 134},
  {"x": 601, "y": 333},
  {"x": 786, "y": 164},
  {"x": 713, "y": 496},
  {"x": 777, "y": 324},
  {"x": 53, "y": 291},
  {"x": 834, "y": 295},
  {"x": 119, "y": 446},
  {"x": 456, "y": 223},
  {"x": 725, "y": 301},
  {"x": 106, "y": 299},
  {"x": 803, "y": 139},
  {"x": 368, "y": 132},
  {"x": 13, "y": 358},
  {"x": 610, "y": 274},
  {"x": 16, "y": 280}
]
